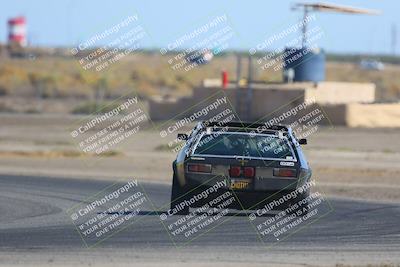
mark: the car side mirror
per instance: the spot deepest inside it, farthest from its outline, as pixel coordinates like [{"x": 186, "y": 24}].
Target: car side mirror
[
  {"x": 303, "y": 141},
  {"x": 183, "y": 137}
]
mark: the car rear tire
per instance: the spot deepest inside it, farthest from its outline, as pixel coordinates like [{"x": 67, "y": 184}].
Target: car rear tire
[{"x": 177, "y": 197}]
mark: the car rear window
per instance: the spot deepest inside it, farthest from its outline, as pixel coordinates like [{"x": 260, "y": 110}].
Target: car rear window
[{"x": 246, "y": 145}]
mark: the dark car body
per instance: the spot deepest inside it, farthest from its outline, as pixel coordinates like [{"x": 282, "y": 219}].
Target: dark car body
[{"x": 256, "y": 162}]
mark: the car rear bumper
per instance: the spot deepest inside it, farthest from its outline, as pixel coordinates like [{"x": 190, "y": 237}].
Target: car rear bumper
[
  {"x": 257, "y": 183},
  {"x": 244, "y": 199}
]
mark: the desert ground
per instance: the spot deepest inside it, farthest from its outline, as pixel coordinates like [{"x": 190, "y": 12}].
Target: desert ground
[
  {"x": 346, "y": 162},
  {"x": 43, "y": 173}
]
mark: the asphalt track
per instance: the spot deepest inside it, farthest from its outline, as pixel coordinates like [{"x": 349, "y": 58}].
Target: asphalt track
[{"x": 33, "y": 215}]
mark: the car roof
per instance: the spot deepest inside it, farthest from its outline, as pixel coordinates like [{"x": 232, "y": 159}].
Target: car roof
[{"x": 237, "y": 126}]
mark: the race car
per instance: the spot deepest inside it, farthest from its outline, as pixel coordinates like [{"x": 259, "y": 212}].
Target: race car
[{"x": 255, "y": 162}]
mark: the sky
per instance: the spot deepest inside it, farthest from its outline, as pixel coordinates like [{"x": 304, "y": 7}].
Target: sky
[{"x": 69, "y": 22}]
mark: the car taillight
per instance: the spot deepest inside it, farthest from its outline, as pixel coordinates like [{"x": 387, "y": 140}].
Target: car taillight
[
  {"x": 205, "y": 168},
  {"x": 284, "y": 172},
  {"x": 249, "y": 172},
  {"x": 235, "y": 171}
]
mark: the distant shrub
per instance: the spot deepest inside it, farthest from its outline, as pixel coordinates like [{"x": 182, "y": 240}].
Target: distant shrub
[
  {"x": 32, "y": 111},
  {"x": 3, "y": 91}
]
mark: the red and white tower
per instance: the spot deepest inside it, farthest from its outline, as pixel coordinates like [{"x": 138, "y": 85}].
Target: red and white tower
[{"x": 17, "y": 31}]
